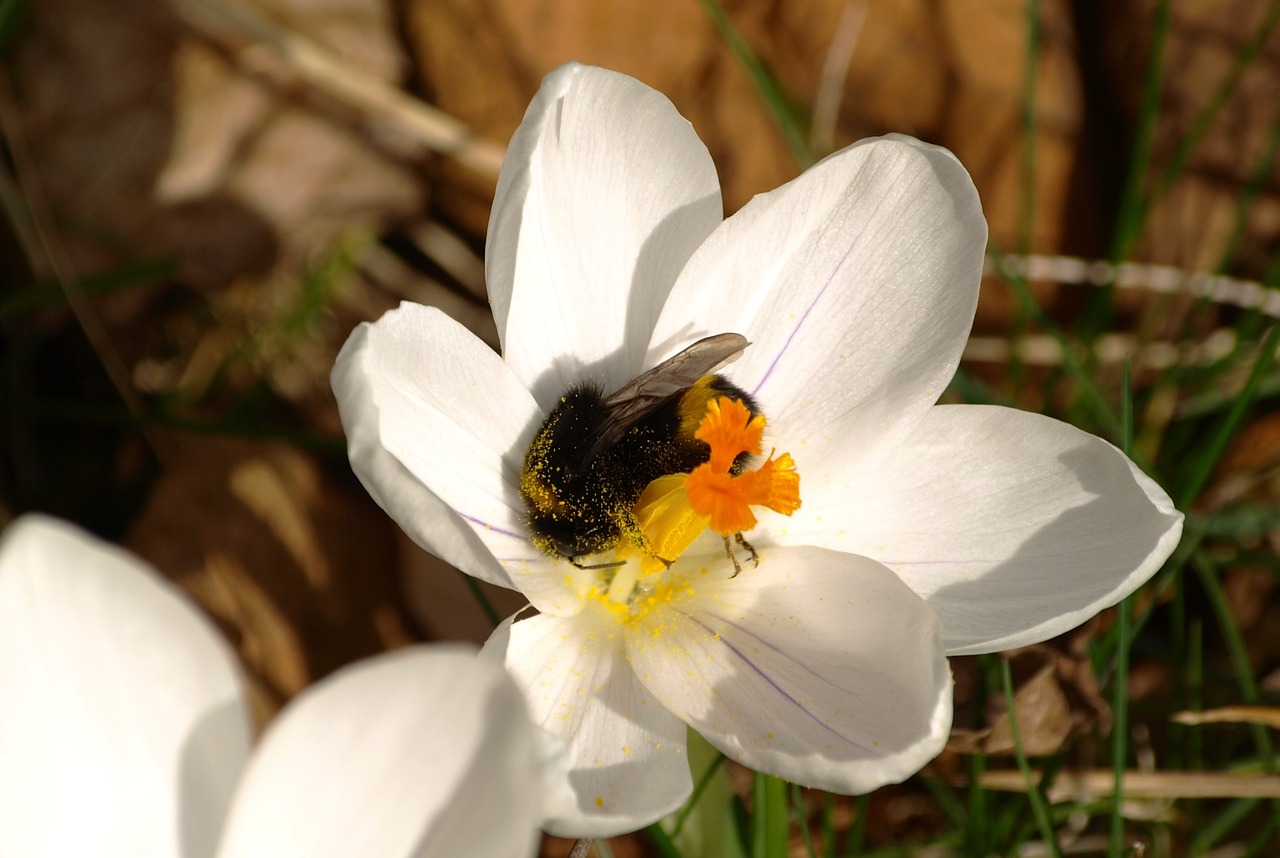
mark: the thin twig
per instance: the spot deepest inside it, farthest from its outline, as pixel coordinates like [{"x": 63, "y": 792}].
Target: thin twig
[
  {"x": 835, "y": 69},
  {"x": 44, "y": 250},
  {"x": 1246, "y": 294},
  {"x": 430, "y": 127},
  {"x": 582, "y": 848},
  {"x": 1092, "y": 784}
]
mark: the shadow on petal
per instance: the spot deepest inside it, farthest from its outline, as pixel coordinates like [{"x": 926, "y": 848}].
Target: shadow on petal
[
  {"x": 1086, "y": 559},
  {"x": 212, "y": 759}
]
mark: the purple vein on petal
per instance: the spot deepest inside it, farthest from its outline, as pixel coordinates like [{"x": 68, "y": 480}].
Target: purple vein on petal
[
  {"x": 807, "y": 310},
  {"x": 719, "y": 637},
  {"x": 490, "y": 526}
]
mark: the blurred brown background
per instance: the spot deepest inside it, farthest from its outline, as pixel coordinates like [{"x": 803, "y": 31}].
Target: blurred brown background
[{"x": 198, "y": 214}]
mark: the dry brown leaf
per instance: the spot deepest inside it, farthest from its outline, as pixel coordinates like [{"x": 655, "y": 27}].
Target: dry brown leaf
[
  {"x": 143, "y": 130},
  {"x": 1056, "y": 697},
  {"x": 149, "y": 141},
  {"x": 299, "y": 572}
]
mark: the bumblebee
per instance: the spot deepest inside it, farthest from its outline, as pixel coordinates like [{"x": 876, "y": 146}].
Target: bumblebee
[{"x": 596, "y": 452}]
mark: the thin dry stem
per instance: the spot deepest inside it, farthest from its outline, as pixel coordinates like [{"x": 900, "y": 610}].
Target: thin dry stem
[
  {"x": 835, "y": 68},
  {"x": 1093, "y": 784},
  {"x": 326, "y": 72}
]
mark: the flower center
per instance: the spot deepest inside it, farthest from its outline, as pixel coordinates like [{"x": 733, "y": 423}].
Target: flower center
[{"x": 675, "y": 509}]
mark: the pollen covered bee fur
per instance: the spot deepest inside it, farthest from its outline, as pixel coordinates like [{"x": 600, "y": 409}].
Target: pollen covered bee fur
[{"x": 596, "y": 452}]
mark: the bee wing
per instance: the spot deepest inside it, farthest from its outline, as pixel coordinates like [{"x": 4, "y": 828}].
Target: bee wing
[{"x": 650, "y": 389}]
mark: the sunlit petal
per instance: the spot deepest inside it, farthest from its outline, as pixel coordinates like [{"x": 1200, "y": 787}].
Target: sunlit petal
[
  {"x": 123, "y": 728},
  {"x": 819, "y": 667},
  {"x": 448, "y": 410},
  {"x": 1013, "y": 527},
  {"x": 626, "y": 752},
  {"x": 418, "y": 753},
  {"x": 604, "y": 194},
  {"x": 856, "y": 284}
]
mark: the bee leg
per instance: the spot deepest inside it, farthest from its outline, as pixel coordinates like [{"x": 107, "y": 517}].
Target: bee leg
[
  {"x": 728, "y": 552},
  {"x": 755, "y": 557},
  {"x": 612, "y": 564}
]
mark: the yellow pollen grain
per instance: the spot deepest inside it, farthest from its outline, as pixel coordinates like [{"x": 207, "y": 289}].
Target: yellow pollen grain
[{"x": 599, "y": 801}]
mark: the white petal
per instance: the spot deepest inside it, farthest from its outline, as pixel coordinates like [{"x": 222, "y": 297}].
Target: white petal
[
  {"x": 427, "y": 751},
  {"x": 626, "y": 752},
  {"x": 1013, "y": 527},
  {"x": 123, "y": 727},
  {"x": 819, "y": 667},
  {"x": 456, "y": 423},
  {"x": 604, "y": 194},
  {"x": 856, "y": 284}
]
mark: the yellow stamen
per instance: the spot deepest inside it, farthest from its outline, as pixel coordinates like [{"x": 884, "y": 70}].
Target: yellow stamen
[{"x": 668, "y": 520}]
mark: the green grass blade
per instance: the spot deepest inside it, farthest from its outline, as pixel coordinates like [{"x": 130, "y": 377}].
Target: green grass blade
[
  {"x": 1120, "y": 685},
  {"x": 1221, "y": 825},
  {"x": 1239, "y": 654},
  {"x": 769, "y": 827},
  {"x": 1026, "y": 185},
  {"x": 858, "y": 834},
  {"x": 1039, "y": 806},
  {"x": 801, "y": 818},
  {"x": 1071, "y": 363},
  {"x": 129, "y": 275},
  {"x": 1204, "y": 464},
  {"x": 1261, "y": 839},
  {"x": 477, "y": 593},
  {"x": 828, "y": 826},
  {"x": 764, "y": 81},
  {"x": 698, "y": 790},
  {"x": 1027, "y": 163},
  {"x": 1205, "y": 119},
  {"x": 947, "y": 799},
  {"x": 1129, "y": 217},
  {"x": 662, "y": 842},
  {"x": 11, "y": 12},
  {"x": 1253, "y": 187},
  {"x": 1236, "y": 649}
]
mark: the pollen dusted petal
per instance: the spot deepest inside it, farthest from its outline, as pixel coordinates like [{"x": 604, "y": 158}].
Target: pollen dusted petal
[
  {"x": 856, "y": 284},
  {"x": 626, "y": 752}
]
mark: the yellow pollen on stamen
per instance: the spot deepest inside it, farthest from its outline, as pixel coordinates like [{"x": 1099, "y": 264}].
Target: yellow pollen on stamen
[{"x": 633, "y": 597}]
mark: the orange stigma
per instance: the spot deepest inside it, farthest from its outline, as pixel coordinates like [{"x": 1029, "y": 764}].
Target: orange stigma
[{"x": 674, "y": 510}]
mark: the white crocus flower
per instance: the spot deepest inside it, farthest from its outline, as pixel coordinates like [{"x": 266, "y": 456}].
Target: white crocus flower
[
  {"x": 125, "y": 731},
  {"x": 924, "y": 530}
]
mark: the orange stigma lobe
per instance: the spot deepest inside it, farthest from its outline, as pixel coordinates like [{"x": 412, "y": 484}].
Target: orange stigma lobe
[
  {"x": 676, "y": 508},
  {"x": 726, "y": 499}
]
